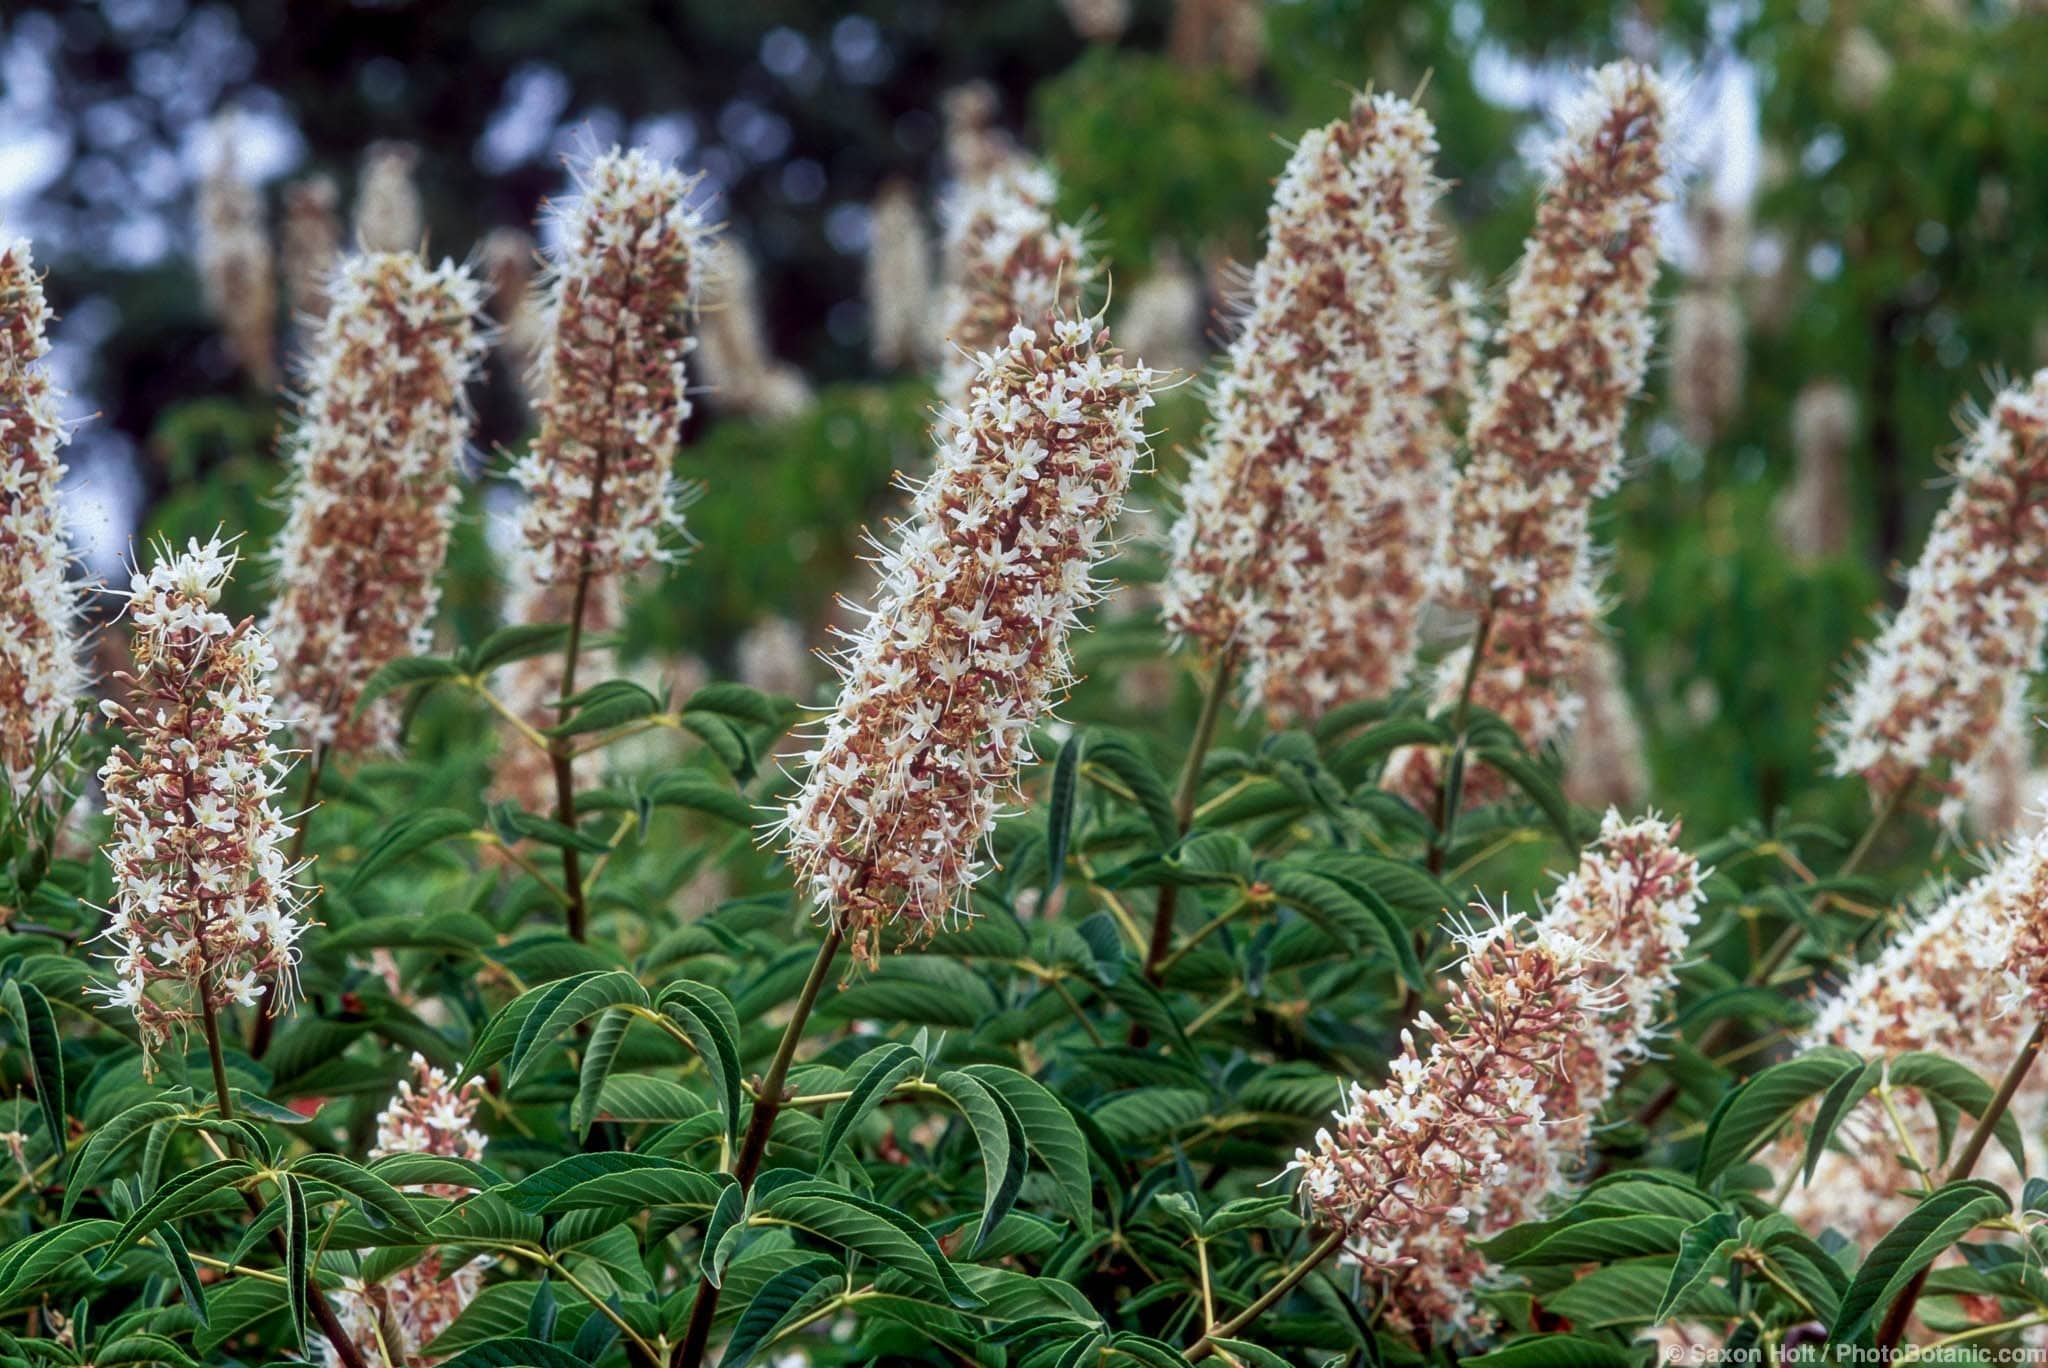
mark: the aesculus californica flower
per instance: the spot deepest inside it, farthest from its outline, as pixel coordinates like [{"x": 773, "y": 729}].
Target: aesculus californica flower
[
  {"x": 1546, "y": 427},
  {"x": 899, "y": 277},
  {"x": 205, "y": 913},
  {"x": 1311, "y": 514},
  {"x": 388, "y": 215},
  {"x": 235, "y": 260},
  {"x": 965, "y": 645},
  {"x": 622, "y": 289},
  {"x": 1405, "y": 1161},
  {"x": 40, "y": 673},
  {"x": 1631, "y": 904},
  {"x": 1954, "y": 983},
  {"x": 1008, "y": 261},
  {"x": 391, "y": 1320},
  {"x": 1931, "y": 687},
  {"x": 309, "y": 243},
  {"x": 375, "y": 455}
]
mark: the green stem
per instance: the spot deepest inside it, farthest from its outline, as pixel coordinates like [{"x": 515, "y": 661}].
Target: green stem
[
  {"x": 1202, "y": 933},
  {"x": 768, "y": 1103},
  {"x": 330, "y": 1324},
  {"x": 1327, "y": 1246},
  {"x": 1973, "y": 1149},
  {"x": 1184, "y": 802}
]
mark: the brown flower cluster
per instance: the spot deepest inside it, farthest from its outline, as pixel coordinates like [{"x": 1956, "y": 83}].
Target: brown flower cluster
[
  {"x": 1545, "y": 433},
  {"x": 375, "y": 457},
  {"x": 40, "y": 675},
  {"x": 1314, "y": 511},
  {"x": 965, "y": 647},
  {"x": 612, "y": 397}
]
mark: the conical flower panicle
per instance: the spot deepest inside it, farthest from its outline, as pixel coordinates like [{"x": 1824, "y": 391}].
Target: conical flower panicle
[
  {"x": 1311, "y": 513},
  {"x": 739, "y": 363},
  {"x": 612, "y": 400},
  {"x": 391, "y": 1320},
  {"x": 965, "y": 647},
  {"x": 1630, "y": 905},
  {"x": 899, "y": 278},
  {"x": 1405, "y": 1161},
  {"x": 236, "y": 262},
  {"x": 375, "y": 456},
  {"x": 1955, "y": 983},
  {"x": 204, "y": 907},
  {"x": 388, "y": 213},
  {"x": 309, "y": 241},
  {"x": 1930, "y": 689},
  {"x": 40, "y": 673},
  {"x": 1545, "y": 432},
  {"x": 1009, "y": 261}
]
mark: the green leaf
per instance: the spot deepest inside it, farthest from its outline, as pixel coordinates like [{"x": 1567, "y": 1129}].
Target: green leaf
[
  {"x": 1000, "y": 1136},
  {"x": 514, "y": 1351},
  {"x": 173, "y": 1246},
  {"x": 1050, "y": 1134},
  {"x": 37, "y": 1025},
  {"x": 882, "y": 1234},
  {"x": 868, "y": 1081},
  {"x": 296, "y": 1245},
  {"x": 603, "y": 1048},
  {"x": 105, "y": 1142},
  {"x": 382, "y": 1203},
  {"x": 602, "y": 707},
  {"x": 1252, "y": 1213},
  {"x": 1059, "y": 812},
  {"x": 521, "y": 641},
  {"x": 742, "y": 704},
  {"x": 178, "y": 1195},
  {"x": 1942, "y": 1218},
  {"x": 407, "y": 836},
  {"x": 1602, "y": 1239},
  {"x": 565, "y": 1004},
  {"x": 697, "y": 790},
  {"x": 1946, "y": 1081},
  {"x": 1534, "y": 780},
  {"x": 706, "y": 1018},
  {"x": 1702, "y": 1250},
  {"x": 404, "y": 673},
  {"x": 1554, "y": 1351},
  {"x": 1119, "y": 757},
  {"x": 781, "y": 1303},
  {"x": 1351, "y": 913},
  {"x": 27, "y": 1265},
  {"x": 614, "y": 1178},
  {"x": 1839, "y": 1100},
  {"x": 1749, "y": 1117}
]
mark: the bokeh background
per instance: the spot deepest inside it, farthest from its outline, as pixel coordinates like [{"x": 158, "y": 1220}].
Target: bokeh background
[{"x": 1856, "y": 256}]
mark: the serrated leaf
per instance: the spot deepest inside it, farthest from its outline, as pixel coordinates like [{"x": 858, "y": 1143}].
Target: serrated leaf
[
  {"x": 1702, "y": 1249},
  {"x": 882, "y": 1234},
  {"x": 783, "y": 1301},
  {"x": 598, "y": 1055},
  {"x": 1944, "y": 1079},
  {"x": 1049, "y": 1133},
  {"x": 1942, "y": 1218},
  {"x": 1351, "y": 913},
  {"x": 1750, "y": 1116},
  {"x": 521, "y": 641},
  {"x": 382, "y": 1203},
  {"x": 296, "y": 1244},
  {"x": 173, "y": 1246},
  {"x": 404, "y": 673},
  {"x": 1554, "y": 1351},
  {"x": 1000, "y": 1137},
  {"x": 867, "y": 1082},
  {"x": 601, "y": 707},
  {"x": 698, "y": 791},
  {"x": 706, "y": 1017},
  {"x": 565, "y": 1004},
  {"x": 37, "y": 1026},
  {"x": 405, "y": 837},
  {"x": 1059, "y": 811}
]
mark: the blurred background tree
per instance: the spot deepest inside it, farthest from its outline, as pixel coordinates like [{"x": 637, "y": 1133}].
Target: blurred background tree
[{"x": 1853, "y": 259}]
